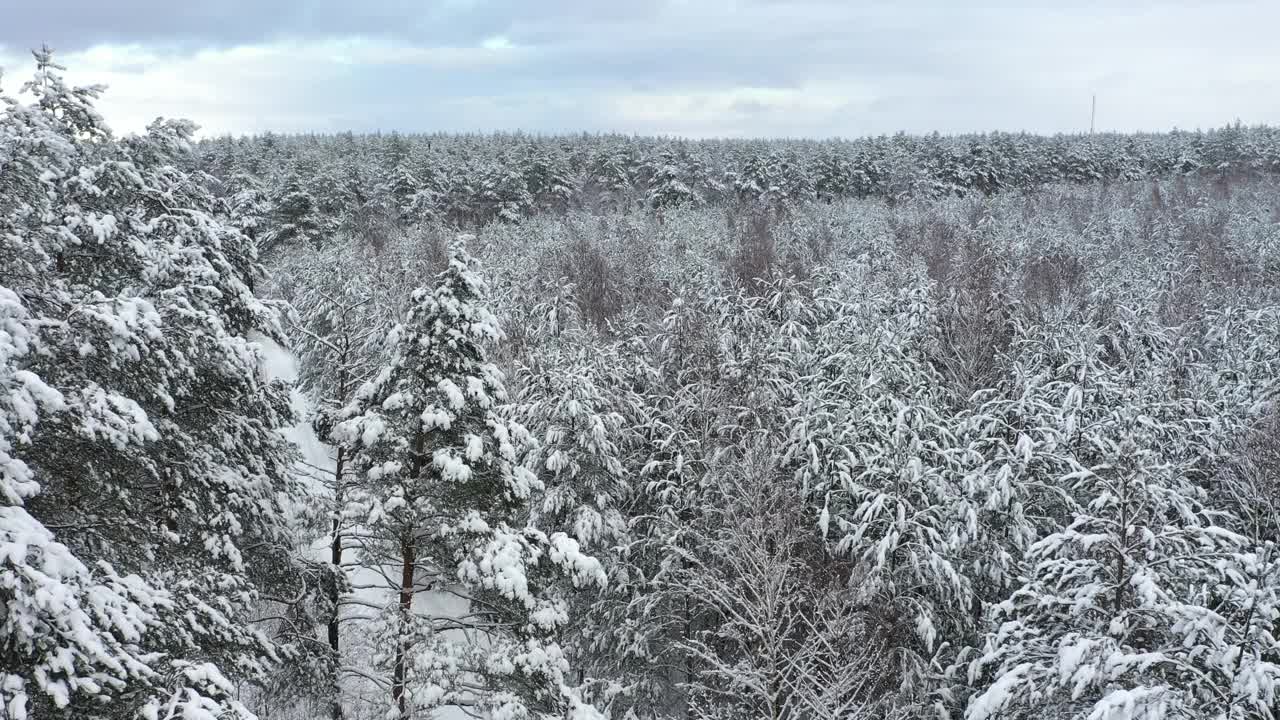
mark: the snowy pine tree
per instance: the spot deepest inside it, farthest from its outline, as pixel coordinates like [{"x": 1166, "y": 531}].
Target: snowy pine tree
[
  {"x": 1144, "y": 601},
  {"x": 141, "y": 460},
  {"x": 442, "y": 488}
]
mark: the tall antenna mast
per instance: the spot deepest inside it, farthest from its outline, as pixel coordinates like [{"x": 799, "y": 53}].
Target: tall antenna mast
[{"x": 1093, "y": 112}]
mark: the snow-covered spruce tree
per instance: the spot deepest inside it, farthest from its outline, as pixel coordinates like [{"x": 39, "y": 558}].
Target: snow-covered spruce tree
[
  {"x": 1144, "y": 601},
  {"x": 833, "y": 176},
  {"x": 668, "y": 186},
  {"x": 500, "y": 193},
  {"x": 295, "y": 218},
  {"x": 584, "y": 400},
  {"x": 870, "y": 445},
  {"x": 400, "y": 186},
  {"x": 646, "y": 618},
  {"x": 546, "y": 174},
  {"x": 578, "y": 426},
  {"x": 574, "y": 398},
  {"x": 249, "y": 207},
  {"x": 1243, "y": 348},
  {"x": 610, "y": 181},
  {"x": 337, "y": 190},
  {"x": 442, "y": 490},
  {"x": 413, "y": 201},
  {"x": 141, "y": 467}
]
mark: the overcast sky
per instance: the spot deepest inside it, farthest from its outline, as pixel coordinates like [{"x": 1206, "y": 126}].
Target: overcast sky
[{"x": 811, "y": 68}]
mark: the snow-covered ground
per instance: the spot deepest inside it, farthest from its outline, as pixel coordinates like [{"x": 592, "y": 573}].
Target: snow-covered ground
[{"x": 281, "y": 364}]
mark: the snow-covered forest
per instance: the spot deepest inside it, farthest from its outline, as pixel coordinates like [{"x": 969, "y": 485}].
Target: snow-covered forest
[{"x": 380, "y": 427}]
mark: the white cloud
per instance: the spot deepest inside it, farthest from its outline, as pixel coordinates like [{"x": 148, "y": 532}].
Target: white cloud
[
  {"x": 287, "y": 87},
  {"x": 496, "y": 42},
  {"x": 810, "y": 110}
]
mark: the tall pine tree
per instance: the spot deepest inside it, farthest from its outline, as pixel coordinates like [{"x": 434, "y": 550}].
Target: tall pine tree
[
  {"x": 442, "y": 490},
  {"x": 141, "y": 467}
]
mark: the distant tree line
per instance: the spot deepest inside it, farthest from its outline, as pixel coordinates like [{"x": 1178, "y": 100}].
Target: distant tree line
[{"x": 304, "y": 186}]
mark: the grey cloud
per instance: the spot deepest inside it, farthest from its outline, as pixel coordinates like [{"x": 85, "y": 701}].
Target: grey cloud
[
  {"x": 190, "y": 24},
  {"x": 76, "y": 24},
  {"x": 931, "y": 64}
]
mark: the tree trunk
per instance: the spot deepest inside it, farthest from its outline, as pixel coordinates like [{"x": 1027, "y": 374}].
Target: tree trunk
[
  {"x": 402, "y": 649},
  {"x": 688, "y": 658},
  {"x": 335, "y": 557},
  {"x": 407, "y": 554},
  {"x": 1122, "y": 546}
]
